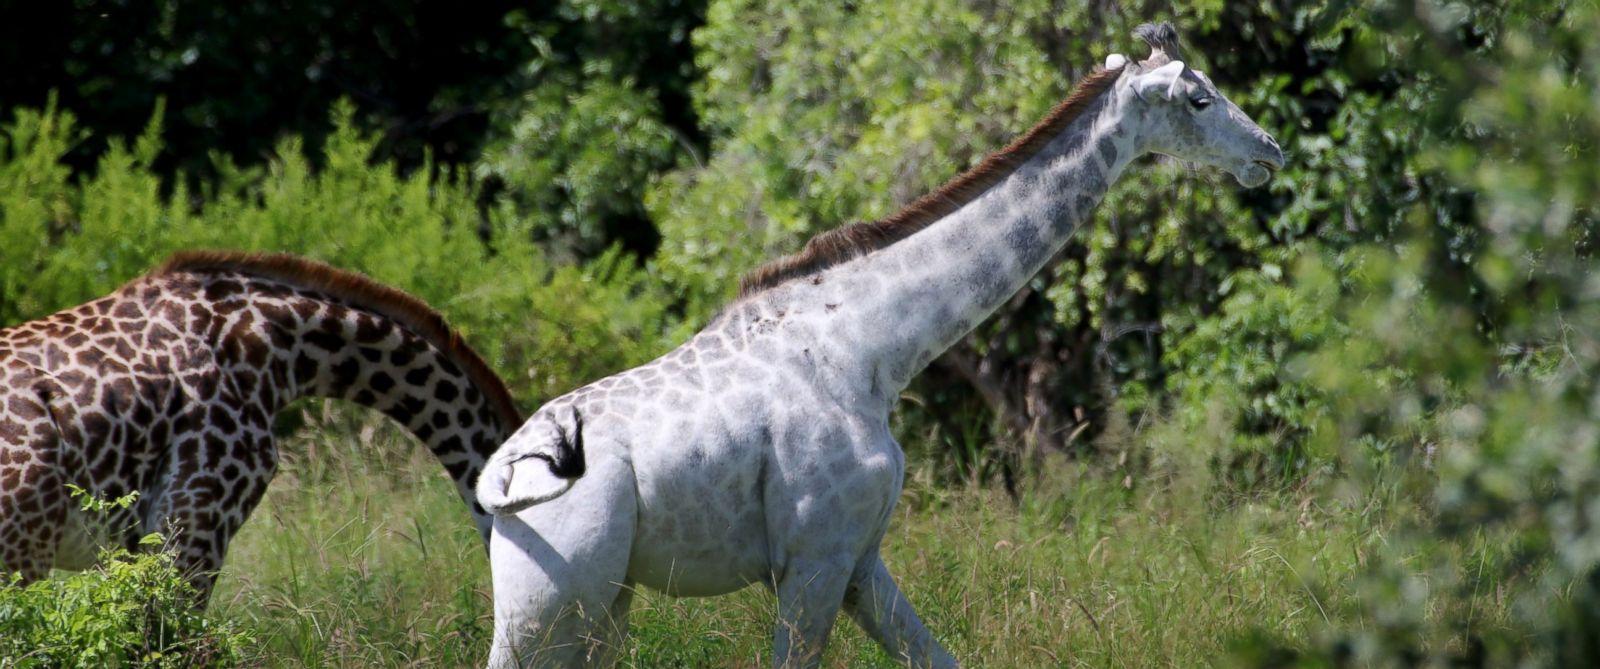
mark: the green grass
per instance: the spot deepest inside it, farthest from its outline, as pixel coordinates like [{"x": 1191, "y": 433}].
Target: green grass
[{"x": 362, "y": 556}]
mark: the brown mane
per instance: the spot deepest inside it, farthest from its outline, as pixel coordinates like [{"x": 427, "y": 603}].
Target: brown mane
[
  {"x": 362, "y": 292},
  {"x": 839, "y": 245}
]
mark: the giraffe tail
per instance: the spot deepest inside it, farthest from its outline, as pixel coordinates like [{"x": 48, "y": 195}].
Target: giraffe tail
[{"x": 533, "y": 467}]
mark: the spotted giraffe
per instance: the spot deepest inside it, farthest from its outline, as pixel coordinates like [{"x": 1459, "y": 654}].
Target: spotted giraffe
[
  {"x": 759, "y": 451},
  {"x": 169, "y": 385}
]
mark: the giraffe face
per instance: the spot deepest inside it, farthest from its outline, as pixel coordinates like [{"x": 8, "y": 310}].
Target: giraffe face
[
  {"x": 1186, "y": 117},
  {"x": 1182, "y": 114}
]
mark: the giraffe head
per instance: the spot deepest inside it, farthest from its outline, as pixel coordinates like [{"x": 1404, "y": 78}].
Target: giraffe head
[{"x": 1183, "y": 115}]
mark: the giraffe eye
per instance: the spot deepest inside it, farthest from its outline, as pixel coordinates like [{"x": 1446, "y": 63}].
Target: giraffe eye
[{"x": 1200, "y": 102}]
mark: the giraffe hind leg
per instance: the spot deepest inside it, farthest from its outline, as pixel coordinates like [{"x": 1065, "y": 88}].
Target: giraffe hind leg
[{"x": 560, "y": 574}]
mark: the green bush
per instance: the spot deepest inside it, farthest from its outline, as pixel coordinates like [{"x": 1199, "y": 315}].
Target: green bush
[
  {"x": 577, "y": 160},
  {"x": 1229, "y": 369},
  {"x": 547, "y": 327},
  {"x": 1465, "y": 373},
  {"x": 132, "y": 610}
]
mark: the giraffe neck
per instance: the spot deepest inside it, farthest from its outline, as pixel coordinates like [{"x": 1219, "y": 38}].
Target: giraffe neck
[
  {"x": 281, "y": 344},
  {"x": 912, "y": 300}
]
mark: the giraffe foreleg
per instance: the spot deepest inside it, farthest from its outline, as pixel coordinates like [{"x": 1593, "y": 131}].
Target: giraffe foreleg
[
  {"x": 203, "y": 507},
  {"x": 875, "y": 602},
  {"x": 809, "y": 595}
]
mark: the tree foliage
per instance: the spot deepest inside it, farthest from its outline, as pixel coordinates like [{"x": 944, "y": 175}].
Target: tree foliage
[
  {"x": 1469, "y": 341},
  {"x": 431, "y": 78}
]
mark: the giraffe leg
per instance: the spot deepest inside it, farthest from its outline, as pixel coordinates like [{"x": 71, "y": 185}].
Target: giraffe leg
[
  {"x": 202, "y": 509},
  {"x": 809, "y": 594},
  {"x": 32, "y": 516},
  {"x": 877, "y": 605},
  {"x": 33, "y": 487},
  {"x": 615, "y": 627},
  {"x": 33, "y": 506},
  {"x": 560, "y": 571}
]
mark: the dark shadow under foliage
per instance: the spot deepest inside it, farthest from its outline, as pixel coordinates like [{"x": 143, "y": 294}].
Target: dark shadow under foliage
[{"x": 238, "y": 77}]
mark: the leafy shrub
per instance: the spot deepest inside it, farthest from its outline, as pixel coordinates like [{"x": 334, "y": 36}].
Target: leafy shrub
[
  {"x": 577, "y": 160},
  {"x": 132, "y": 610},
  {"x": 1231, "y": 369},
  {"x": 1466, "y": 372},
  {"x": 547, "y": 326}
]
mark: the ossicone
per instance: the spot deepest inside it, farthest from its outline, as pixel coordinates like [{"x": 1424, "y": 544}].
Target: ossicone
[{"x": 1163, "y": 41}]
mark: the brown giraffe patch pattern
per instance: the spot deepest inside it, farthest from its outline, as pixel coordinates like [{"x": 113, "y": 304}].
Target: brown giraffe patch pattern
[{"x": 168, "y": 387}]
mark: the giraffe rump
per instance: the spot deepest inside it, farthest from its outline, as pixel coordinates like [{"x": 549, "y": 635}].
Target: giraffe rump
[
  {"x": 559, "y": 453},
  {"x": 840, "y": 245}
]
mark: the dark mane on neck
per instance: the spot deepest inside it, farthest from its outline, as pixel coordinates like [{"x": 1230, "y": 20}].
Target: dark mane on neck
[
  {"x": 359, "y": 291},
  {"x": 839, "y": 245}
]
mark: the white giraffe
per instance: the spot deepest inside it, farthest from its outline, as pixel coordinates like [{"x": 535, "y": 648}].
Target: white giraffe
[{"x": 759, "y": 451}]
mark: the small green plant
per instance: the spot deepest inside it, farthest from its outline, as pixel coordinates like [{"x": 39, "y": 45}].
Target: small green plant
[
  {"x": 94, "y": 504},
  {"x": 133, "y": 610}
]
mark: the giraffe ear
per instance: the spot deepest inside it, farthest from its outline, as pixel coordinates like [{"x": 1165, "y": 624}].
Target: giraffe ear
[
  {"x": 1162, "y": 81},
  {"x": 1115, "y": 61}
]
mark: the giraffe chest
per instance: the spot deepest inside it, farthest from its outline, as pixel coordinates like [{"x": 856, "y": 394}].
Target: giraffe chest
[{"x": 116, "y": 430}]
